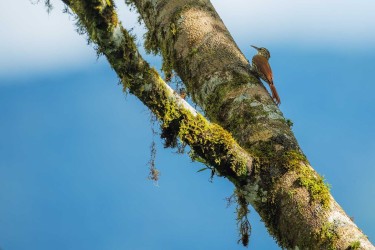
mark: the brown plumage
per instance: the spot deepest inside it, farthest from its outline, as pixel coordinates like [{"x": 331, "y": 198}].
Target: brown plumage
[{"x": 263, "y": 69}]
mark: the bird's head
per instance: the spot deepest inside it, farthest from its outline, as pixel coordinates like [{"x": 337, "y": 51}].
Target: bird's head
[{"x": 262, "y": 51}]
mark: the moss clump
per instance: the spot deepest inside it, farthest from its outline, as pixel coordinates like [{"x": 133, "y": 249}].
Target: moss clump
[
  {"x": 207, "y": 140},
  {"x": 294, "y": 159},
  {"x": 289, "y": 123},
  {"x": 354, "y": 245},
  {"x": 317, "y": 187},
  {"x": 327, "y": 236},
  {"x": 314, "y": 183}
]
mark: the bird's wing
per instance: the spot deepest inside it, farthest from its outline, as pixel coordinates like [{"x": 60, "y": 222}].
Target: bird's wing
[{"x": 264, "y": 67}]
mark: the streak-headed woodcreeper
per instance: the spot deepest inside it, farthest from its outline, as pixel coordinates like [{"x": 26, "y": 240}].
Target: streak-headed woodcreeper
[{"x": 263, "y": 69}]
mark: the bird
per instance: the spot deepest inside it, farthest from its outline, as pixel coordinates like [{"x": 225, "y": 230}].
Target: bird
[{"x": 263, "y": 70}]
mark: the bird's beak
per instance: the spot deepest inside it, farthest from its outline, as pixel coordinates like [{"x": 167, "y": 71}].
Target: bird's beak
[{"x": 254, "y": 47}]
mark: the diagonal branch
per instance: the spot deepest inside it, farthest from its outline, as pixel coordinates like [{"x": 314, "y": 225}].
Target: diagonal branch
[
  {"x": 292, "y": 199},
  {"x": 179, "y": 120}
]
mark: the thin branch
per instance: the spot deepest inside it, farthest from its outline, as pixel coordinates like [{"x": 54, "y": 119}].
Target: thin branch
[{"x": 178, "y": 119}]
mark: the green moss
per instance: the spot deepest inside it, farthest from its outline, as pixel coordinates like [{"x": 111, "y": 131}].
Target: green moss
[
  {"x": 315, "y": 184},
  {"x": 150, "y": 45},
  {"x": 194, "y": 51},
  {"x": 354, "y": 245},
  {"x": 289, "y": 123},
  {"x": 294, "y": 159},
  {"x": 173, "y": 29},
  {"x": 211, "y": 141},
  {"x": 273, "y": 165},
  {"x": 327, "y": 236},
  {"x": 208, "y": 141}
]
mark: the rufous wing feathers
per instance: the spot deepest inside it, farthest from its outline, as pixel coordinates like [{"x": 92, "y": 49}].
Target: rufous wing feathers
[
  {"x": 264, "y": 67},
  {"x": 275, "y": 95}
]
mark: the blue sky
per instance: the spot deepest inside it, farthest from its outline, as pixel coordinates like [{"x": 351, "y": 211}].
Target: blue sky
[{"x": 74, "y": 148}]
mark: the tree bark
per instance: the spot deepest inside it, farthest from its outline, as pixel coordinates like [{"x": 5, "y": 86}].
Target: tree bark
[{"x": 272, "y": 174}]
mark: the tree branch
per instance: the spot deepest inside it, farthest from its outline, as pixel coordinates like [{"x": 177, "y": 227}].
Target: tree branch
[
  {"x": 292, "y": 199},
  {"x": 179, "y": 120}
]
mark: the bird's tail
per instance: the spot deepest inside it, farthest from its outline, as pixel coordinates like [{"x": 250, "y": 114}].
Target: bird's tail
[{"x": 275, "y": 95}]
